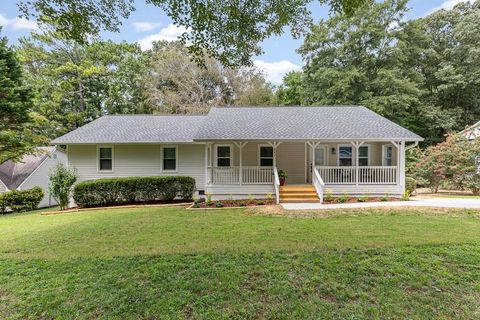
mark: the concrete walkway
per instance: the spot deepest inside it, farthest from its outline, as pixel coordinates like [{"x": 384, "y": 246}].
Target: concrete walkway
[{"x": 414, "y": 202}]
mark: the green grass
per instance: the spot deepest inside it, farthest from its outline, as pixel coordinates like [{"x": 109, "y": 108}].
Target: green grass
[{"x": 170, "y": 263}]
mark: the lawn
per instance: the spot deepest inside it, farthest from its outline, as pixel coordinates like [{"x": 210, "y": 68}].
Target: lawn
[{"x": 171, "y": 263}]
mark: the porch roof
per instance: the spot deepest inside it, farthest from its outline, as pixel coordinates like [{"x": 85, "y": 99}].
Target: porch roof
[{"x": 300, "y": 123}]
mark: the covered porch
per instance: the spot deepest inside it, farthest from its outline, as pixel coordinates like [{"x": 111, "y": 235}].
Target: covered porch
[{"x": 353, "y": 167}]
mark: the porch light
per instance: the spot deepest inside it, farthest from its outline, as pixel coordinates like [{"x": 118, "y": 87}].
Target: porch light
[{"x": 333, "y": 150}]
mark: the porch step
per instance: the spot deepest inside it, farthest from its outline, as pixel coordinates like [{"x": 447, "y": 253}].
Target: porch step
[{"x": 298, "y": 194}]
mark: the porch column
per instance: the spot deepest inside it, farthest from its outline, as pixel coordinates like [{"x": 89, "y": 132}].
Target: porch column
[
  {"x": 274, "y": 146},
  {"x": 397, "y": 146},
  {"x": 240, "y": 146},
  {"x": 401, "y": 168},
  {"x": 207, "y": 146},
  {"x": 357, "y": 145}
]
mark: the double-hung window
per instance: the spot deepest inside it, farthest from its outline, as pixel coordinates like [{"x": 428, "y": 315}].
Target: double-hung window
[
  {"x": 266, "y": 156},
  {"x": 169, "y": 158},
  {"x": 345, "y": 156},
  {"x": 388, "y": 155},
  {"x": 363, "y": 156},
  {"x": 105, "y": 159},
  {"x": 224, "y": 156}
]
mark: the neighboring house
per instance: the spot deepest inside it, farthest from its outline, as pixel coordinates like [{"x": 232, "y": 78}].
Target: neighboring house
[
  {"x": 32, "y": 171},
  {"x": 471, "y": 132},
  {"x": 235, "y": 152}
]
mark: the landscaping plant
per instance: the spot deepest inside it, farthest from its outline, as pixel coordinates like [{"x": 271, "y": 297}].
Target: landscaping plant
[
  {"x": 21, "y": 200},
  {"x": 61, "y": 184}
]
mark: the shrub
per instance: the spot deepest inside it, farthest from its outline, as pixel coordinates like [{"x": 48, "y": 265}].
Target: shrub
[
  {"x": 219, "y": 205},
  {"x": 343, "y": 198},
  {"x": 328, "y": 195},
  {"x": 410, "y": 184},
  {"x": 362, "y": 199},
  {"x": 61, "y": 183},
  {"x": 209, "y": 199},
  {"x": 269, "y": 197},
  {"x": 113, "y": 191},
  {"x": 21, "y": 200},
  {"x": 405, "y": 196},
  {"x": 384, "y": 198},
  {"x": 260, "y": 202}
]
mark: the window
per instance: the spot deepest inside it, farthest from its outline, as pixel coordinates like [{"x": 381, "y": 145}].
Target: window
[
  {"x": 363, "y": 153},
  {"x": 169, "y": 158},
  {"x": 321, "y": 156},
  {"x": 105, "y": 159},
  {"x": 345, "y": 156},
  {"x": 266, "y": 156},
  {"x": 387, "y": 155},
  {"x": 224, "y": 156}
]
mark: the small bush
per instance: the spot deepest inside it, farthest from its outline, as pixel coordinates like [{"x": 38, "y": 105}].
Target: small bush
[
  {"x": 61, "y": 184},
  {"x": 209, "y": 199},
  {"x": 21, "y": 200},
  {"x": 328, "y": 195},
  {"x": 114, "y": 191},
  {"x": 242, "y": 204},
  {"x": 269, "y": 197},
  {"x": 260, "y": 203},
  {"x": 362, "y": 199},
  {"x": 410, "y": 185},
  {"x": 405, "y": 196},
  {"x": 384, "y": 198},
  {"x": 343, "y": 198},
  {"x": 219, "y": 205}
]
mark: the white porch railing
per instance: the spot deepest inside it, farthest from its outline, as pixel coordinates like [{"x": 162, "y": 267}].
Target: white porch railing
[
  {"x": 240, "y": 175},
  {"x": 366, "y": 175},
  {"x": 318, "y": 183}
]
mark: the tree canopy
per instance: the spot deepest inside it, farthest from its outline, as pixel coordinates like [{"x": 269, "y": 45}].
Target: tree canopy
[
  {"x": 229, "y": 31},
  {"x": 421, "y": 73}
]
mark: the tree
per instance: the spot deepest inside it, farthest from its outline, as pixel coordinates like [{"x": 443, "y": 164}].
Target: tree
[
  {"x": 229, "y": 31},
  {"x": 176, "y": 84},
  {"x": 77, "y": 83},
  {"x": 290, "y": 91},
  {"x": 355, "y": 60},
  {"x": 61, "y": 184},
  {"x": 18, "y": 133},
  {"x": 451, "y": 161}
]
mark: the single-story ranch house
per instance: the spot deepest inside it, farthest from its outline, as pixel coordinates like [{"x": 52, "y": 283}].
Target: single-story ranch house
[{"x": 238, "y": 151}]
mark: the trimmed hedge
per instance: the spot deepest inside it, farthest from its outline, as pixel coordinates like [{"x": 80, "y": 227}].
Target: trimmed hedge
[
  {"x": 115, "y": 191},
  {"x": 21, "y": 200}
]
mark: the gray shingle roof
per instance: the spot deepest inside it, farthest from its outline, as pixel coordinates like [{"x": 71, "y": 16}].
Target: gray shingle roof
[
  {"x": 135, "y": 129},
  {"x": 300, "y": 123},
  {"x": 13, "y": 174},
  {"x": 243, "y": 123}
]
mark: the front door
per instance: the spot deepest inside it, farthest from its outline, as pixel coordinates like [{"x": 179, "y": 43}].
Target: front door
[{"x": 320, "y": 159}]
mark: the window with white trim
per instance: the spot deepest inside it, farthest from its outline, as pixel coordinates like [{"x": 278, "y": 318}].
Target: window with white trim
[
  {"x": 266, "y": 156},
  {"x": 345, "y": 156},
  {"x": 105, "y": 159},
  {"x": 363, "y": 156},
  {"x": 224, "y": 156},
  {"x": 169, "y": 158},
  {"x": 388, "y": 155}
]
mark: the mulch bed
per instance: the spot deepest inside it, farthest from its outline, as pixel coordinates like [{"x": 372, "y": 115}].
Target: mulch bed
[
  {"x": 362, "y": 199},
  {"x": 232, "y": 203}
]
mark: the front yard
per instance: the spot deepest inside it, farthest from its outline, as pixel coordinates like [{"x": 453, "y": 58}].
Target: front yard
[{"x": 175, "y": 263}]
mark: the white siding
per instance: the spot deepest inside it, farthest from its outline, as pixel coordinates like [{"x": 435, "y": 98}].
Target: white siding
[
  {"x": 39, "y": 178},
  {"x": 354, "y": 190},
  {"x": 3, "y": 187},
  {"x": 139, "y": 160}
]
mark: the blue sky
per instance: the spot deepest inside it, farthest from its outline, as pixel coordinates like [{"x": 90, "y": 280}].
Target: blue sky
[{"x": 149, "y": 23}]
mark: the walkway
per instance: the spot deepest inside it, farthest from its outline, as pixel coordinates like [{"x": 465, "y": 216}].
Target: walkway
[{"x": 465, "y": 203}]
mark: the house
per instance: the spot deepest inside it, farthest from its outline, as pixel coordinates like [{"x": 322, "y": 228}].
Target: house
[
  {"x": 237, "y": 152},
  {"x": 471, "y": 132},
  {"x": 31, "y": 171}
]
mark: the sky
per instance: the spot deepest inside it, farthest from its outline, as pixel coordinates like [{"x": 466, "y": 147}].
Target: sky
[{"x": 148, "y": 23}]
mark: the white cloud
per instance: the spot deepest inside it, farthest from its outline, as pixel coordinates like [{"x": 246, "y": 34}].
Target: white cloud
[
  {"x": 447, "y": 5},
  {"x": 143, "y": 26},
  {"x": 170, "y": 33},
  {"x": 274, "y": 71},
  {"x": 17, "y": 23}
]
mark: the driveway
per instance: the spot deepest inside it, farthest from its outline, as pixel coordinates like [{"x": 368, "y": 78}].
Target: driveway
[{"x": 465, "y": 203}]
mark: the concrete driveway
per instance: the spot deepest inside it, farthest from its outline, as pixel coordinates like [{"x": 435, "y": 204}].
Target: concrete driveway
[{"x": 465, "y": 203}]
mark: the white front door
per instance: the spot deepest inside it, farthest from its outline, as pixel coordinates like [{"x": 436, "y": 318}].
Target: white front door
[{"x": 321, "y": 159}]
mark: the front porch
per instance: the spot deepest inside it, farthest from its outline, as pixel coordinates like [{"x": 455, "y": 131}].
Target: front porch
[{"x": 250, "y": 168}]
